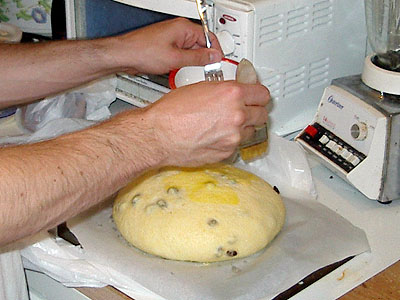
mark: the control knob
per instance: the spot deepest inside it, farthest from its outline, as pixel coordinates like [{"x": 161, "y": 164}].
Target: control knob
[
  {"x": 359, "y": 131},
  {"x": 226, "y": 41}
]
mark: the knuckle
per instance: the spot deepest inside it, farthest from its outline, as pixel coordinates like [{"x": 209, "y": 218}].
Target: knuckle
[
  {"x": 265, "y": 119},
  {"x": 180, "y": 20},
  {"x": 239, "y": 117},
  {"x": 234, "y": 91},
  {"x": 226, "y": 154},
  {"x": 229, "y": 92},
  {"x": 263, "y": 114},
  {"x": 235, "y": 139}
]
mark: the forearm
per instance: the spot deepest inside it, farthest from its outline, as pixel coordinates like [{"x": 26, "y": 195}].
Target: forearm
[
  {"x": 33, "y": 71},
  {"x": 46, "y": 183}
]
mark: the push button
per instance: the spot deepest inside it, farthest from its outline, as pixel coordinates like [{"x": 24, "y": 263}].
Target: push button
[
  {"x": 345, "y": 154},
  {"x": 311, "y": 130},
  {"x": 339, "y": 149},
  {"x": 354, "y": 160},
  {"x": 324, "y": 139},
  {"x": 332, "y": 145}
]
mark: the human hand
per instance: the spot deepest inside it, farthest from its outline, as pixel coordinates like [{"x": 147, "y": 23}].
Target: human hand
[
  {"x": 205, "y": 122},
  {"x": 164, "y": 46}
]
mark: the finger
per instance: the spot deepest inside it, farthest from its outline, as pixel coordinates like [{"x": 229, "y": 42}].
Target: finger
[
  {"x": 199, "y": 57},
  {"x": 214, "y": 42},
  {"x": 196, "y": 31},
  {"x": 255, "y": 94},
  {"x": 256, "y": 116}
]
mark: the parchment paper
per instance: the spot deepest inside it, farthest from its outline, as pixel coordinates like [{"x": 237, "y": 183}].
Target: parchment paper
[{"x": 312, "y": 237}]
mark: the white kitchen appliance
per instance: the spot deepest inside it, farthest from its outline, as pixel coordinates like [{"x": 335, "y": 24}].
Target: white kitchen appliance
[
  {"x": 356, "y": 130},
  {"x": 296, "y": 46}
]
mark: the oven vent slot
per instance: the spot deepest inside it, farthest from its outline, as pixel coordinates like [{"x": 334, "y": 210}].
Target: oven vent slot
[
  {"x": 274, "y": 86},
  {"x": 297, "y": 22},
  {"x": 322, "y": 14},
  {"x": 319, "y": 73},
  {"x": 295, "y": 81},
  {"x": 271, "y": 29},
  {"x": 284, "y": 25}
]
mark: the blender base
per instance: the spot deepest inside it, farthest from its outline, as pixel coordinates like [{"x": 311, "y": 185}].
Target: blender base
[{"x": 380, "y": 79}]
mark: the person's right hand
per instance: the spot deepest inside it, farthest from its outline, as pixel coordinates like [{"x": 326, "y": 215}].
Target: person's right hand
[{"x": 205, "y": 122}]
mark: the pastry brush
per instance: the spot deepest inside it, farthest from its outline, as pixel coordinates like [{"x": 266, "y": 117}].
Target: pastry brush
[{"x": 257, "y": 145}]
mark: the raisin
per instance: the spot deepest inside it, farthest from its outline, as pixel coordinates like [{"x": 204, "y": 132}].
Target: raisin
[
  {"x": 212, "y": 222},
  {"x": 231, "y": 253},
  {"x": 162, "y": 203},
  {"x": 173, "y": 190},
  {"x": 276, "y": 190},
  {"x": 135, "y": 199},
  {"x": 210, "y": 184}
]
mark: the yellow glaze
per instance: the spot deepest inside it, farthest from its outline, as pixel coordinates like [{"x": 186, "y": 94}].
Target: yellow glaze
[{"x": 202, "y": 187}]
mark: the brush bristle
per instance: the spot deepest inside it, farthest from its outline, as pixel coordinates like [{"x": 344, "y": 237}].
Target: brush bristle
[{"x": 254, "y": 151}]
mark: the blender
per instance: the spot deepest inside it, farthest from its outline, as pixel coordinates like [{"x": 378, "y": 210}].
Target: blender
[{"x": 356, "y": 129}]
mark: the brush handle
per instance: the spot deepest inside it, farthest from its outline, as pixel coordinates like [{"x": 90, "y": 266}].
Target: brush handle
[{"x": 246, "y": 73}]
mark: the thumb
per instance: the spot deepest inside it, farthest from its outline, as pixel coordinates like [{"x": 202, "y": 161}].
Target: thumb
[{"x": 200, "y": 56}]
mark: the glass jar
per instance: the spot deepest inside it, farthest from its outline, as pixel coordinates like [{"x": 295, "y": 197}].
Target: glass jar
[{"x": 383, "y": 27}]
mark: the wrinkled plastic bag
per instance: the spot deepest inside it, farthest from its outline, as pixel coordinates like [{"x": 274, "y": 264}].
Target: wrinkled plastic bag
[
  {"x": 52, "y": 256},
  {"x": 63, "y": 113},
  {"x": 285, "y": 166}
]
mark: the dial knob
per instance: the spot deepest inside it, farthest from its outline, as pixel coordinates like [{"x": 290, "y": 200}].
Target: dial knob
[
  {"x": 226, "y": 41},
  {"x": 359, "y": 131}
]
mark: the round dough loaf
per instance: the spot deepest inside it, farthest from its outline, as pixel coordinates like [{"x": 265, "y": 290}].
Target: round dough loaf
[{"x": 205, "y": 214}]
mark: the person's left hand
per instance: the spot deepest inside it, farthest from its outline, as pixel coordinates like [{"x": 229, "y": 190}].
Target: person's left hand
[{"x": 164, "y": 46}]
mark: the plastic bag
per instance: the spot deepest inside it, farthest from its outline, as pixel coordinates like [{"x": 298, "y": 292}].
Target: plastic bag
[
  {"x": 285, "y": 166},
  {"x": 63, "y": 113},
  {"x": 36, "y": 115}
]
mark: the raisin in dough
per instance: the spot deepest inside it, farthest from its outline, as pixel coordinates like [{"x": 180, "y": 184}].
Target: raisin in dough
[{"x": 199, "y": 214}]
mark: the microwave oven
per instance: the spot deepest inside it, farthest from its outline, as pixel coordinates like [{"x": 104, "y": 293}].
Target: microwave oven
[{"x": 296, "y": 46}]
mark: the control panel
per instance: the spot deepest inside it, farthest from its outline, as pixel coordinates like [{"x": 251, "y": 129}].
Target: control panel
[
  {"x": 331, "y": 147},
  {"x": 233, "y": 24}
]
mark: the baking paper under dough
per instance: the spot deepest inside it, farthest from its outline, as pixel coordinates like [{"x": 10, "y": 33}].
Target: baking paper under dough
[{"x": 205, "y": 214}]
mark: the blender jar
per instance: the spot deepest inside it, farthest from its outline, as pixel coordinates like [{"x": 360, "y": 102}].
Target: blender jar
[{"x": 383, "y": 28}]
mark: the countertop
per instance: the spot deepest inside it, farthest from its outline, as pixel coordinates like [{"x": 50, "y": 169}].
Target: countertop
[{"x": 385, "y": 285}]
